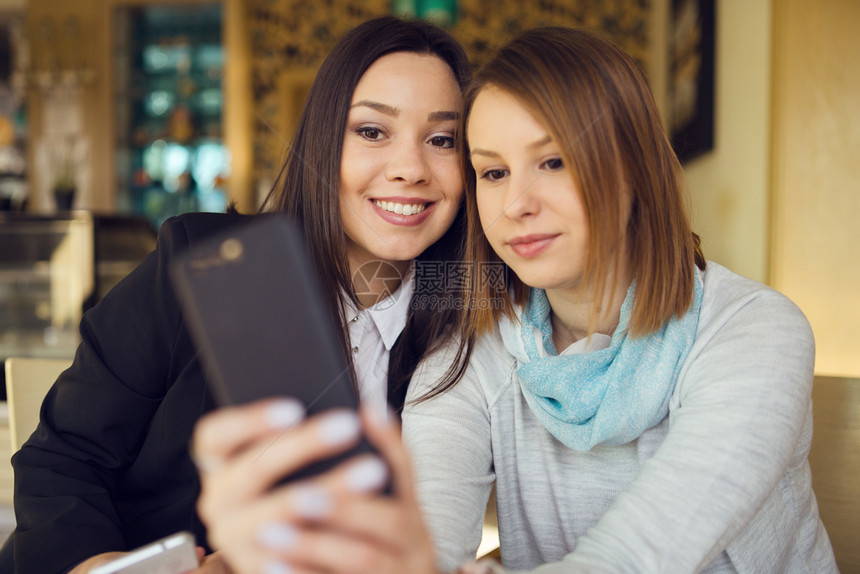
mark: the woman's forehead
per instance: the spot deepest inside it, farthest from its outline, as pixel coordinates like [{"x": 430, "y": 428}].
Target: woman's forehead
[{"x": 404, "y": 73}]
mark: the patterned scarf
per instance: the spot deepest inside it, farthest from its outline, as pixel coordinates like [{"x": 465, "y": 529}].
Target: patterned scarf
[{"x": 604, "y": 397}]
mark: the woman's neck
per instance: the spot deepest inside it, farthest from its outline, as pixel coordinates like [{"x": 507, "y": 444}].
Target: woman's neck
[
  {"x": 375, "y": 280},
  {"x": 572, "y": 311}
]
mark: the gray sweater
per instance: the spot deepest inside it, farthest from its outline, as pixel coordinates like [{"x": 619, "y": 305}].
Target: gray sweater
[{"x": 722, "y": 484}]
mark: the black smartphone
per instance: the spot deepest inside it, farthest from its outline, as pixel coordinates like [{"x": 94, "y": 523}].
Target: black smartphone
[{"x": 255, "y": 311}]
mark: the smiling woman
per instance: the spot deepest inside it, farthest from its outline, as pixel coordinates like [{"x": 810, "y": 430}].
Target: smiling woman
[
  {"x": 400, "y": 186},
  {"x": 377, "y": 137}
]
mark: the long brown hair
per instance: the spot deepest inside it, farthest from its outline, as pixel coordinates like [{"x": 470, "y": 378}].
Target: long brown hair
[
  {"x": 595, "y": 102},
  {"x": 308, "y": 185}
]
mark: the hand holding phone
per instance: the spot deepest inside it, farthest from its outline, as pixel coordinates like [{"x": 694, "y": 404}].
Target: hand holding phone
[{"x": 254, "y": 309}]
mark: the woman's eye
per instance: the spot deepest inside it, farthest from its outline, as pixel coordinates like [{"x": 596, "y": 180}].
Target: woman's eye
[
  {"x": 370, "y": 133},
  {"x": 553, "y": 164},
  {"x": 494, "y": 174},
  {"x": 444, "y": 142}
]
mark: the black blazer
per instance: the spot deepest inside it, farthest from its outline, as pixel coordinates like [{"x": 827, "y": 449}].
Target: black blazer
[{"x": 108, "y": 466}]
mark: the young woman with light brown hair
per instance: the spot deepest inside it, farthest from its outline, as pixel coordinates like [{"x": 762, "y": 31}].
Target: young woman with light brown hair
[{"x": 639, "y": 409}]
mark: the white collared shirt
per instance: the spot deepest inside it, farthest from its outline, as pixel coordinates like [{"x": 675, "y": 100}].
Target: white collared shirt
[{"x": 372, "y": 333}]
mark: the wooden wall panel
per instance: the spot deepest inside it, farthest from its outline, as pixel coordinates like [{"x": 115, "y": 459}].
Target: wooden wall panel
[{"x": 816, "y": 173}]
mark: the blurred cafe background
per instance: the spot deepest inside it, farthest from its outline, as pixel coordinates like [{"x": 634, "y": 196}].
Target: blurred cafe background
[{"x": 117, "y": 114}]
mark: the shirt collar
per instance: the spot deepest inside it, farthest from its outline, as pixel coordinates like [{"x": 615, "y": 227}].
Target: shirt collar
[{"x": 390, "y": 314}]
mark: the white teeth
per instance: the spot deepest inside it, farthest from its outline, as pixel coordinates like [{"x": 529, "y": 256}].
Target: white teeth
[{"x": 401, "y": 208}]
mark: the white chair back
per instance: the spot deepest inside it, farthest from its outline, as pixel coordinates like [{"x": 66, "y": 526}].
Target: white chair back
[{"x": 27, "y": 383}]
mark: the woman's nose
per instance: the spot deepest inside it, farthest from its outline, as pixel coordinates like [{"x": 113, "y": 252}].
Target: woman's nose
[
  {"x": 407, "y": 164},
  {"x": 522, "y": 197}
]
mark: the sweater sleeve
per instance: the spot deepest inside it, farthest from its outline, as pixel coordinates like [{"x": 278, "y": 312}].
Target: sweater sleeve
[
  {"x": 448, "y": 438},
  {"x": 94, "y": 419},
  {"x": 744, "y": 397}
]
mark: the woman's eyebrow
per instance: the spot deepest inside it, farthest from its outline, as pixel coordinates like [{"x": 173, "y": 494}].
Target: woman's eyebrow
[
  {"x": 540, "y": 143},
  {"x": 534, "y": 145},
  {"x": 394, "y": 112},
  {"x": 379, "y": 107},
  {"x": 443, "y": 116},
  {"x": 486, "y": 152}
]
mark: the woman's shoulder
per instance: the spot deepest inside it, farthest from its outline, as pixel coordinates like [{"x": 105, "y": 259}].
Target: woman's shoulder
[
  {"x": 740, "y": 316},
  {"x": 195, "y": 226},
  {"x": 727, "y": 294},
  {"x": 489, "y": 370},
  {"x": 491, "y": 367},
  {"x": 490, "y": 353}
]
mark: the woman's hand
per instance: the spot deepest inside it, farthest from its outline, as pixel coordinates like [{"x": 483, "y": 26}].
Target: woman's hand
[
  {"x": 367, "y": 534},
  {"x": 335, "y": 522},
  {"x": 211, "y": 564}
]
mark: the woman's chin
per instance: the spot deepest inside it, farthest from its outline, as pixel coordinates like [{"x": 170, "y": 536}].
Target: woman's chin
[
  {"x": 398, "y": 249},
  {"x": 548, "y": 280},
  {"x": 399, "y": 257}
]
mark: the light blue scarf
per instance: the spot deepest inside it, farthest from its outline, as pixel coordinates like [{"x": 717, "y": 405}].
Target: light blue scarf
[{"x": 604, "y": 397}]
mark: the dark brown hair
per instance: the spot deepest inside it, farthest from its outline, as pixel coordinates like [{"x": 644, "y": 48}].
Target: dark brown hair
[
  {"x": 595, "y": 102},
  {"x": 308, "y": 185}
]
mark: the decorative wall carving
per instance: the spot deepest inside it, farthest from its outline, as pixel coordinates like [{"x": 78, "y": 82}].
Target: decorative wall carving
[
  {"x": 293, "y": 36},
  {"x": 483, "y": 26}
]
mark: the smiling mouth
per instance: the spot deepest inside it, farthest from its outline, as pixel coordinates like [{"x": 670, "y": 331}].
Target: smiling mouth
[{"x": 401, "y": 208}]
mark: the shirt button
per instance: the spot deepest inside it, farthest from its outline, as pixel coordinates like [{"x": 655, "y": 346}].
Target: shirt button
[{"x": 355, "y": 349}]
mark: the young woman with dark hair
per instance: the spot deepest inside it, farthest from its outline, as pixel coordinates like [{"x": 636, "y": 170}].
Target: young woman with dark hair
[
  {"x": 322, "y": 155},
  {"x": 638, "y": 409},
  {"x": 373, "y": 177}
]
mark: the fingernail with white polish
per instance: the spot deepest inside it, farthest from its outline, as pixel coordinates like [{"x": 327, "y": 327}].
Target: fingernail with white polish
[
  {"x": 367, "y": 475},
  {"x": 340, "y": 427},
  {"x": 284, "y": 413},
  {"x": 311, "y": 502},
  {"x": 277, "y": 536},
  {"x": 273, "y": 567}
]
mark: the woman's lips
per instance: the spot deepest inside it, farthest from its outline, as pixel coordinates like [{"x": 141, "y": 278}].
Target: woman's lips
[
  {"x": 531, "y": 245},
  {"x": 382, "y": 208}
]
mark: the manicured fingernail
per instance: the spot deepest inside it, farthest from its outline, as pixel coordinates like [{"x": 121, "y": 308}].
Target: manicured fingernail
[
  {"x": 367, "y": 475},
  {"x": 311, "y": 502},
  {"x": 273, "y": 567},
  {"x": 339, "y": 427},
  {"x": 284, "y": 413},
  {"x": 277, "y": 536}
]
